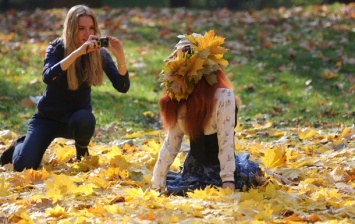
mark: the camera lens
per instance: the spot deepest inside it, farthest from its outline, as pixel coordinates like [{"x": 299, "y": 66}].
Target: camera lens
[{"x": 103, "y": 42}]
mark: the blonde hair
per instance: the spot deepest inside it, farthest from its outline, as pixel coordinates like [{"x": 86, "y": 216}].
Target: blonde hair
[{"x": 87, "y": 68}]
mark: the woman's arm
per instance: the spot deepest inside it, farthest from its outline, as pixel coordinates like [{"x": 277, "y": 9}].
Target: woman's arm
[
  {"x": 120, "y": 82},
  {"x": 225, "y": 107},
  {"x": 89, "y": 46},
  {"x": 116, "y": 72},
  {"x": 167, "y": 154},
  {"x": 55, "y": 64},
  {"x": 117, "y": 50}
]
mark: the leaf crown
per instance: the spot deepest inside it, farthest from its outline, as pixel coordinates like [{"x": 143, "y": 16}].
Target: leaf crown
[{"x": 195, "y": 56}]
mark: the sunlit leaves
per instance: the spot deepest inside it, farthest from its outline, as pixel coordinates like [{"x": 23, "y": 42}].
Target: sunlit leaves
[
  {"x": 307, "y": 133},
  {"x": 57, "y": 212},
  {"x": 183, "y": 70},
  {"x": 4, "y": 187},
  {"x": 274, "y": 157},
  {"x": 211, "y": 193},
  {"x": 306, "y": 176}
]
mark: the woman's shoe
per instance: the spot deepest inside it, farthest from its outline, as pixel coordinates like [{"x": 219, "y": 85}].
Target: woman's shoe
[
  {"x": 81, "y": 152},
  {"x": 6, "y": 156}
]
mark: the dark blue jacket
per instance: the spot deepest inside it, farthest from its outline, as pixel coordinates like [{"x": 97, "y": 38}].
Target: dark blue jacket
[{"x": 58, "y": 101}]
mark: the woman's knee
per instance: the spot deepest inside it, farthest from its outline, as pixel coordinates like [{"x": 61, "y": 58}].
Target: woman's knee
[
  {"x": 29, "y": 154},
  {"x": 83, "y": 120},
  {"x": 21, "y": 164},
  {"x": 21, "y": 161}
]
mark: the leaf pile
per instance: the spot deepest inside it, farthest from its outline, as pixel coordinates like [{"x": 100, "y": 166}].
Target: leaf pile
[{"x": 310, "y": 178}]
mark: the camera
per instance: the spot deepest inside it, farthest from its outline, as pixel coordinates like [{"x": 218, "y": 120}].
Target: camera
[{"x": 103, "y": 42}]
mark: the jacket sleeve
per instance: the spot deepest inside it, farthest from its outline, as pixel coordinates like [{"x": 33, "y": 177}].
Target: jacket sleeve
[
  {"x": 120, "y": 82},
  {"x": 167, "y": 154},
  {"x": 225, "y": 107},
  {"x": 51, "y": 68}
]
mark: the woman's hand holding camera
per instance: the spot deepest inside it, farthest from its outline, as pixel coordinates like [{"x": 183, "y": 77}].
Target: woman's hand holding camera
[
  {"x": 116, "y": 49},
  {"x": 93, "y": 44},
  {"x": 89, "y": 45}
]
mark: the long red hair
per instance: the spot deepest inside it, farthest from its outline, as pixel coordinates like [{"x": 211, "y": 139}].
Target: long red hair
[{"x": 199, "y": 106}]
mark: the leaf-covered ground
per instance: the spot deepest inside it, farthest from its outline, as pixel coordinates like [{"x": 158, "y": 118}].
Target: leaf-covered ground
[
  {"x": 302, "y": 69},
  {"x": 310, "y": 179}
]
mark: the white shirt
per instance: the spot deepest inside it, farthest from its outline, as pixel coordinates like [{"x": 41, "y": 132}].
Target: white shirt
[{"x": 222, "y": 122}]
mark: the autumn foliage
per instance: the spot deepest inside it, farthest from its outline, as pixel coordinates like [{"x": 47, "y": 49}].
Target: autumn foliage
[{"x": 309, "y": 171}]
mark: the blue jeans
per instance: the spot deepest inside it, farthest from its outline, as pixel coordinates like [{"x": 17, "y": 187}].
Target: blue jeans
[{"x": 79, "y": 126}]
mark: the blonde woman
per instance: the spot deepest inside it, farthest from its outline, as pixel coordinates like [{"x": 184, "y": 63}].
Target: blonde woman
[{"x": 73, "y": 64}]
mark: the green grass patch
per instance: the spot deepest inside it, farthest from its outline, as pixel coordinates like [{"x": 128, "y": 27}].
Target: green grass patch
[{"x": 291, "y": 66}]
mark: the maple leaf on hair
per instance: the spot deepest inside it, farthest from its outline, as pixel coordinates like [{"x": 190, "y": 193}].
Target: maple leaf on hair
[{"x": 194, "y": 56}]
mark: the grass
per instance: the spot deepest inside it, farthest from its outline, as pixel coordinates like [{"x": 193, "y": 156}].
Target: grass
[{"x": 276, "y": 65}]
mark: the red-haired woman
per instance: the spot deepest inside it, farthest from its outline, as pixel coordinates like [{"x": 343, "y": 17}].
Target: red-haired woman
[{"x": 199, "y": 102}]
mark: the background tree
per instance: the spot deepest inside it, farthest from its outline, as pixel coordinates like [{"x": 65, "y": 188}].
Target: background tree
[
  {"x": 334, "y": 1},
  {"x": 233, "y": 4},
  {"x": 68, "y": 4},
  {"x": 179, "y": 3}
]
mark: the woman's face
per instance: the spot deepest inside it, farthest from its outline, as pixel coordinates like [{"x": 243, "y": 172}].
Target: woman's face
[{"x": 86, "y": 28}]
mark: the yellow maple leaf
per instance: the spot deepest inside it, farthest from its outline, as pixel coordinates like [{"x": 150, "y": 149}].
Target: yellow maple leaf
[
  {"x": 212, "y": 41},
  {"x": 196, "y": 64},
  {"x": 211, "y": 78},
  {"x": 256, "y": 195},
  {"x": 35, "y": 176},
  {"x": 192, "y": 39},
  {"x": 136, "y": 134},
  {"x": 179, "y": 86},
  {"x": 345, "y": 132},
  {"x": 120, "y": 161},
  {"x": 153, "y": 133},
  {"x": 55, "y": 194},
  {"x": 270, "y": 190},
  {"x": 265, "y": 213},
  {"x": 255, "y": 149},
  {"x": 197, "y": 213},
  {"x": 97, "y": 210},
  {"x": 85, "y": 189},
  {"x": 292, "y": 155},
  {"x": 306, "y": 134},
  {"x": 274, "y": 157},
  {"x": 62, "y": 151},
  {"x": 278, "y": 134},
  {"x": 99, "y": 181},
  {"x": 132, "y": 193},
  {"x": 200, "y": 193},
  {"x": 174, "y": 219},
  {"x": 4, "y": 187},
  {"x": 262, "y": 126},
  {"x": 59, "y": 186},
  {"x": 114, "y": 173},
  {"x": 57, "y": 212},
  {"x": 87, "y": 163},
  {"x": 20, "y": 217},
  {"x": 113, "y": 209},
  {"x": 19, "y": 180},
  {"x": 151, "y": 146}
]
